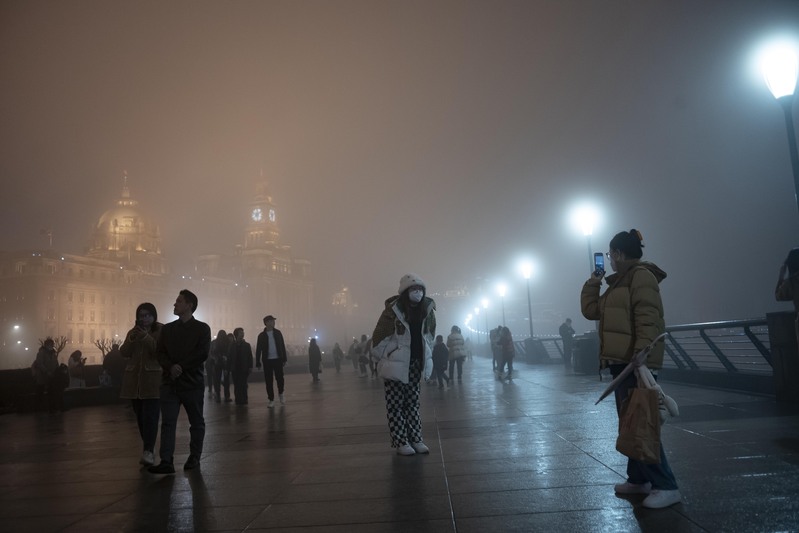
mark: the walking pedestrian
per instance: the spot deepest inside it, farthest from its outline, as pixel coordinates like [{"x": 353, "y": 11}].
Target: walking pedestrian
[
  {"x": 182, "y": 349},
  {"x": 141, "y": 383},
  {"x": 314, "y": 360},
  {"x": 457, "y": 352},
  {"x": 440, "y": 359},
  {"x": 240, "y": 363},
  {"x": 402, "y": 342},
  {"x": 272, "y": 349},
  {"x": 567, "y": 336}
]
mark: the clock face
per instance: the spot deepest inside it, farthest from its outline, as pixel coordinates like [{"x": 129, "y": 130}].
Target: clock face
[
  {"x": 257, "y": 214},
  {"x": 271, "y": 215}
]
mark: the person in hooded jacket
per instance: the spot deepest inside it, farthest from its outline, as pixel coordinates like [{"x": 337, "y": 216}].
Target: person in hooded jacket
[
  {"x": 141, "y": 382},
  {"x": 457, "y": 352},
  {"x": 401, "y": 344},
  {"x": 314, "y": 359},
  {"x": 630, "y": 314},
  {"x": 440, "y": 358}
]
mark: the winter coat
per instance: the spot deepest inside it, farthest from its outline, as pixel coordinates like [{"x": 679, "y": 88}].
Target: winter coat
[
  {"x": 142, "y": 377},
  {"x": 186, "y": 344},
  {"x": 240, "y": 359},
  {"x": 440, "y": 355},
  {"x": 630, "y": 312},
  {"x": 456, "y": 346},
  {"x": 391, "y": 340},
  {"x": 314, "y": 358},
  {"x": 44, "y": 366}
]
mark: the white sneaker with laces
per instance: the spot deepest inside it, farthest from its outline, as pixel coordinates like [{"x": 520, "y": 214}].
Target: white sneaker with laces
[
  {"x": 282, "y": 399},
  {"x": 420, "y": 447},
  {"x": 633, "y": 488},
  {"x": 271, "y": 404},
  {"x": 658, "y": 499},
  {"x": 147, "y": 458},
  {"x": 406, "y": 449}
]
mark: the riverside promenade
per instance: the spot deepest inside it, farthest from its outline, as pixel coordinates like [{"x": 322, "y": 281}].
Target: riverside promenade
[{"x": 533, "y": 455}]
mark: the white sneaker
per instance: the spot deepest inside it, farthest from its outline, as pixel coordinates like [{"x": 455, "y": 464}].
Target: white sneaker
[
  {"x": 147, "y": 458},
  {"x": 658, "y": 499},
  {"x": 271, "y": 404},
  {"x": 282, "y": 399},
  {"x": 420, "y": 447},
  {"x": 633, "y": 488},
  {"x": 406, "y": 449}
]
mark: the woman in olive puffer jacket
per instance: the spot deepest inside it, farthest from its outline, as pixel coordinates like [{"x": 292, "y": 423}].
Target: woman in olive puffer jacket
[{"x": 630, "y": 314}]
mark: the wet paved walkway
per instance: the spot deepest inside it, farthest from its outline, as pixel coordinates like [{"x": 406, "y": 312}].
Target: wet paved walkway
[{"x": 534, "y": 455}]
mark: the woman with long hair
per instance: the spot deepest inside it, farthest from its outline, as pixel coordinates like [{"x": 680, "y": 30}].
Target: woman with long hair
[{"x": 141, "y": 382}]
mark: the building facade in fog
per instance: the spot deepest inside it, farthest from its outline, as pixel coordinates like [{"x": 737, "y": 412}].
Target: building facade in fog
[{"x": 94, "y": 296}]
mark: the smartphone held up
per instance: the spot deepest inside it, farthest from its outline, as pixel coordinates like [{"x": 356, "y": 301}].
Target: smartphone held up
[{"x": 599, "y": 264}]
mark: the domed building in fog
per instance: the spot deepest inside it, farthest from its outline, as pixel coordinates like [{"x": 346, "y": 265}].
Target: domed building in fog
[
  {"x": 125, "y": 233},
  {"x": 90, "y": 297}
]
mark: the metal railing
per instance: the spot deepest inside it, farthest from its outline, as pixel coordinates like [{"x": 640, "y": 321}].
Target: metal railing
[{"x": 734, "y": 354}]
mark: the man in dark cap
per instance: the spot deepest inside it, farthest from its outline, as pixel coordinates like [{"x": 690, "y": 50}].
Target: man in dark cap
[{"x": 272, "y": 349}]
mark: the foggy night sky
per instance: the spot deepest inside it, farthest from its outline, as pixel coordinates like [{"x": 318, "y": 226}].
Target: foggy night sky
[{"x": 446, "y": 138}]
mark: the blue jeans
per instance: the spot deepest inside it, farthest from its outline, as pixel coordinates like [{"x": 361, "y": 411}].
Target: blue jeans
[
  {"x": 660, "y": 475},
  {"x": 192, "y": 402},
  {"x": 147, "y": 412}
]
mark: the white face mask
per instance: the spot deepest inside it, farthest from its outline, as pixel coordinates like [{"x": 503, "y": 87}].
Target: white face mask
[{"x": 415, "y": 296}]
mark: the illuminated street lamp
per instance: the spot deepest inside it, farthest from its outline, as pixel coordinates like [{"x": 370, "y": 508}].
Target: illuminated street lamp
[
  {"x": 527, "y": 272},
  {"x": 502, "y": 289},
  {"x": 585, "y": 218},
  {"x": 780, "y": 67}
]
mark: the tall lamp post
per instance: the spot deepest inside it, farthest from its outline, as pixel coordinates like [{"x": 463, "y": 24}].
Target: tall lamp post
[
  {"x": 527, "y": 272},
  {"x": 484, "y": 303},
  {"x": 502, "y": 289},
  {"x": 780, "y": 68},
  {"x": 585, "y": 217},
  {"x": 477, "y": 326}
]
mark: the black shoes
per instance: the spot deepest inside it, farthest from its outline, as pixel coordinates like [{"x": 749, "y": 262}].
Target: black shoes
[
  {"x": 191, "y": 463},
  {"x": 163, "y": 468}
]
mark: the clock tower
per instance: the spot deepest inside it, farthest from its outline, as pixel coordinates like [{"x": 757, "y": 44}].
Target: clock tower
[{"x": 262, "y": 230}]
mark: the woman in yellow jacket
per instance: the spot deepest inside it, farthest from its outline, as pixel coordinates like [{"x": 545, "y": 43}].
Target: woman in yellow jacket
[
  {"x": 141, "y": 383},
  {"x": 630, "y": 314}
]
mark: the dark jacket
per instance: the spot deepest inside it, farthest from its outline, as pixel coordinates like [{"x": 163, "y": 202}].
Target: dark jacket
[
  {"x": 314, "y": 357},
  {"x": 262, "y": 347},
  {"x": 240, "y": 358},
  {"x": 186, "y": 344},
  {"x": 440, "y": 355}
]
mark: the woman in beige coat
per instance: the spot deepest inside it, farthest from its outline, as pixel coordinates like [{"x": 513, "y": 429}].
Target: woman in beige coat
[{"x": 141, "y": 382}]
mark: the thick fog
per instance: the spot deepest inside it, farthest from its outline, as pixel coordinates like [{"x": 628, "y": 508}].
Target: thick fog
[{"x": 445, "y": 138}]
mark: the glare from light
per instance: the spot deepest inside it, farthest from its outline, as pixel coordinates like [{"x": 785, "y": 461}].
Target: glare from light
[
  {"x": 16, "y": 326},
  {"x": 780, "y": 67},
  {"x": 476, "y": 311},
  {"x": 502, "y": 289},
  {"x": 526, "y": 268},
  {"x": 484, "y": 302},
  {"x": 585, "y": 218}
]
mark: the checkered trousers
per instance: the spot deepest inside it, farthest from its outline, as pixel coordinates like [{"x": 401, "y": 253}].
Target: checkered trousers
[{"x": 402, "y": 405}]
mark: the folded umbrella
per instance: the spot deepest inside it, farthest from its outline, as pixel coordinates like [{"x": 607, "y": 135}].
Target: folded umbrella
[{"x": 637, "y": 360}]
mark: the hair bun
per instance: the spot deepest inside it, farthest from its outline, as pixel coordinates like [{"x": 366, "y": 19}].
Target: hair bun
[{"x": 637, "y": 234}]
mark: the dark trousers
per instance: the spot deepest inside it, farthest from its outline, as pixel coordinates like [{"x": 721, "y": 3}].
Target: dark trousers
[
  {"x": 226, "y": 381},
  {"x": 273, "y": 368},
  {"x": 148, "y": 412},
  {"x": 55, "y": 395},
  {"x": 452, "y": 363},
  {"x": 240, "y": 388},
  {"x": 192, "y": 402},
  {"x": 567, "y": 352}
]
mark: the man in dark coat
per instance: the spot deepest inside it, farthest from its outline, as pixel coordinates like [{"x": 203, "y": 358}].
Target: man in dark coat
[
  {"x": 272, "y": 349},
  {"x": 182, "y": 349},
  {"x": 240, "y": 361}
]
